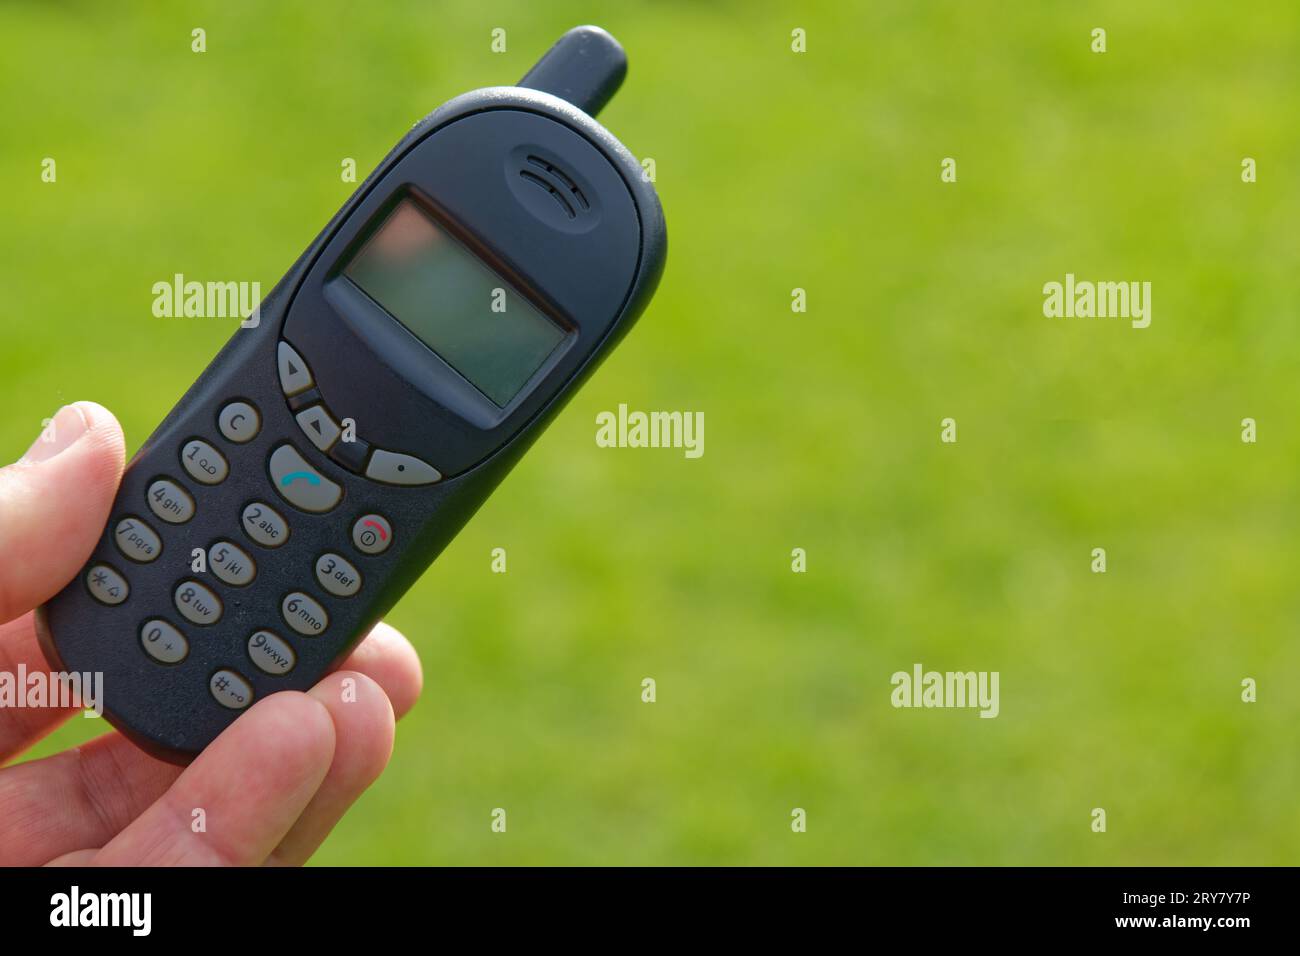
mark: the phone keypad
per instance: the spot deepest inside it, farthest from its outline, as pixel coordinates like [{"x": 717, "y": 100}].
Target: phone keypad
[{"x": 233, "y": 565}]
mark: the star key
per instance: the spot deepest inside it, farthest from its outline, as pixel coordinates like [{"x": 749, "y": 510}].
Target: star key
[{"x": 106, "y": 586}]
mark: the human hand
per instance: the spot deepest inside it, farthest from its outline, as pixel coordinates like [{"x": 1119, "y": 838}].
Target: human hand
[{"x": 271, "y": 787}]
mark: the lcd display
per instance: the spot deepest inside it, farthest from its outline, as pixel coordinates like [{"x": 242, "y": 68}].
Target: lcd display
[{"x": 454, "y": 303}]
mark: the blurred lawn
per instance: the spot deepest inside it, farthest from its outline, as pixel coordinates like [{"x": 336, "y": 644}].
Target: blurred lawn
[{"x": 776, "y": 170}]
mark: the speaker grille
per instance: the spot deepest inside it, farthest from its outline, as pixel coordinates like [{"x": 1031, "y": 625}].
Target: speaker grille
[{"x": 561, "y": 187}]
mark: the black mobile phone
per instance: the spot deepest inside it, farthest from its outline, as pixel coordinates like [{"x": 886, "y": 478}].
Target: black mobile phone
[{"x": 398, "y": 371}]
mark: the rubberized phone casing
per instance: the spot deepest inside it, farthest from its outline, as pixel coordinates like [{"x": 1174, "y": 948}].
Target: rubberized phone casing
[{"x": 594, "y": 273}]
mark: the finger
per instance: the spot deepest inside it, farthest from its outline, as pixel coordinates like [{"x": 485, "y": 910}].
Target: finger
[
  {"x": 76, "y": 799},
  {"x": 20, "y": 727},
  {"x": 239, "y": 798},
  {"x": 388, "y": 658},
  {"x": 384, "y": 655},
  {"x": 54, "y": 502},
  {"x": 76, "y": 858},
  {"x": 99, "y": 788},
  {"x": 363, "y": 734}
]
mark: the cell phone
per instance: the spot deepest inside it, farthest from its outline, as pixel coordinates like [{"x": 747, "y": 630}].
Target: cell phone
[{"x": 398, "y": 371}]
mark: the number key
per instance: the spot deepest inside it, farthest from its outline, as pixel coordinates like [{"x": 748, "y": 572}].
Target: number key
[
  {"x": 337, "y": 575},
  {"x": 197, "y": 603},
  {"x": 137, "y": 540},
  {"x": 170, "y": 501},
  {"x": 264, "y": 525},
  {"x": 231, "y": 563},
  {"x": 163, "y": 642},
  {"x": 204, "y": 463},
  {"x": 303, "y": 614}
]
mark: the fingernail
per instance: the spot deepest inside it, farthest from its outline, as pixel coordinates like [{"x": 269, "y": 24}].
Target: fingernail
[{"x": 67, "y": 425}]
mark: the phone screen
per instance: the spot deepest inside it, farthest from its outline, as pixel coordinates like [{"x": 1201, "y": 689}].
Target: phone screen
[{"x": 454, "y": 302}]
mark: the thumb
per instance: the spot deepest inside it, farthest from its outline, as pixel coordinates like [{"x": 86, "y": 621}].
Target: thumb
[{"x": 54, "y": 502}]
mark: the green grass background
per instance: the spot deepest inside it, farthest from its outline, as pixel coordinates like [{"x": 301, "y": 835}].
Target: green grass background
[{"x": 777, "y": 170}]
